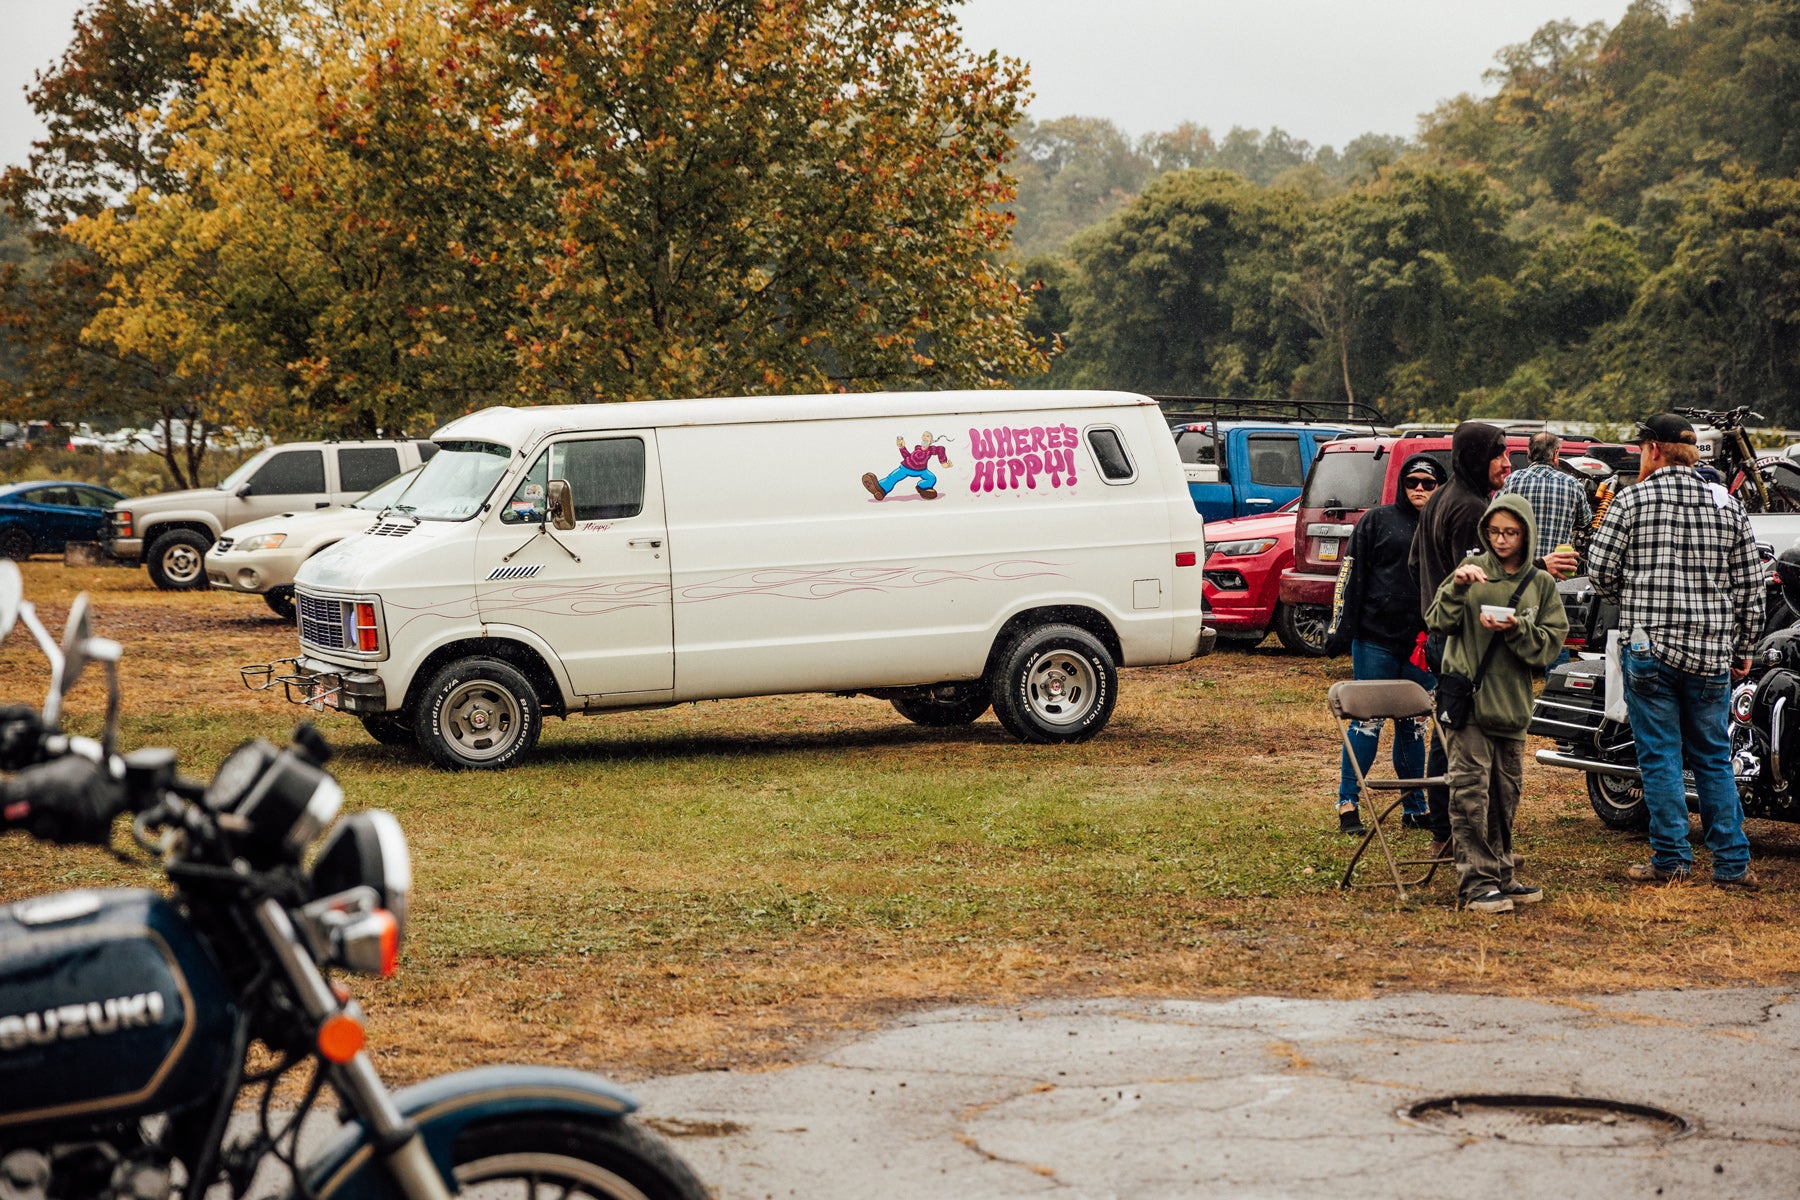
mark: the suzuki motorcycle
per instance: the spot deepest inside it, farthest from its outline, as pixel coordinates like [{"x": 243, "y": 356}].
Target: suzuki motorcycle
[
  {"x": 1764, "y": 716},
  {"x": 133, "y": 1022}
]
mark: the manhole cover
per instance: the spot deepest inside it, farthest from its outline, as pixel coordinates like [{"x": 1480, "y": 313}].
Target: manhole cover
[{"x": 1548, "y": 1120}]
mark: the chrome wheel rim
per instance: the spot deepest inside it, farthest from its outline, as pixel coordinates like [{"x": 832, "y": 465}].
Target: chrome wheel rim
[
  {"x": 481, "y": 720},
  {"x": 531, "y": 1175},
  {"x": 1061, "y": 687},
  {"x": 1310, "y": 622},
  {"x": 181, "y": 563}
]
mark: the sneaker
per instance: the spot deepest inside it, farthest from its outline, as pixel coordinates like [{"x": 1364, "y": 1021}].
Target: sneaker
[
  {"x": 1747, "y": 882},
  {"x": 1653, "y": 874},
  {"x": 1522, "y": 893},
  {"x": 874, "y": 485},
  {"x": 1495, "y": 901},
  {"x": 1350, "y": 822},
  {"x": 1415, "y": 821}
]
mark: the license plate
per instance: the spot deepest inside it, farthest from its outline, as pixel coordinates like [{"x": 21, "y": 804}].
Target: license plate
[{"x": 1328, "y": 549}]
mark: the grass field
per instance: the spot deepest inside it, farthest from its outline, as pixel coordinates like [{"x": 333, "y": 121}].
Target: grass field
[{"x": 722, "y": 883}]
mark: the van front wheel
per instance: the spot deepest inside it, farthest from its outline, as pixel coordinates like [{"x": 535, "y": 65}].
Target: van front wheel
[
  {"x": 1055, "y": 684},
  {"x": 479, "y": 714}
]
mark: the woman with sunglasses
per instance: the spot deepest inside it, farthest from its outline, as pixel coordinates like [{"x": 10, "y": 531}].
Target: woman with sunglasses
[{"x": 1375, "y": 616}]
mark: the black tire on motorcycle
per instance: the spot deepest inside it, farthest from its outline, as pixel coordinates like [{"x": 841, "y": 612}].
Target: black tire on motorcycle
[
  {"x": 611, "y": 1160},
  {"x": 1618, "y": 802},
  {"x": 946, "y": 706},
  {"x": 1302, "y": 628},
  {"x": 1782, "y": 480}
]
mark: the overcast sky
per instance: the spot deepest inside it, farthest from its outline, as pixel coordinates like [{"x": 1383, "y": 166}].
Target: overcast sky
[{"x": 1323, "y": 70}]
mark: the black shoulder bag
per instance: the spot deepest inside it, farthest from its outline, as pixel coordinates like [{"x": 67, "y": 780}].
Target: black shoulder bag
[{"x": 1455, "y": 695}]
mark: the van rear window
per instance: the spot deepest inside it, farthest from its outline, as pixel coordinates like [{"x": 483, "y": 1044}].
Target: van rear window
[
  {"x": 1348, "y": 479},
  {"x": 1110, "y": 456}
]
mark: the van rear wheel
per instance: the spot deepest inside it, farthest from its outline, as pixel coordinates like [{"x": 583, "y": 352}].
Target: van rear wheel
[
  {"x": 945, "y": 706},
  {"x": 389, "y": 730},
  {"x": 281, "y": 602},
  {"x": 1055, "y": 684},
  {"x": 479, "y": 714}
]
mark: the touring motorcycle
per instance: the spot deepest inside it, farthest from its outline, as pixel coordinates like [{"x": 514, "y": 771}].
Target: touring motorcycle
[
  {"x": 1764, "y": 716},
  {"x": 133, "y": 1022}
]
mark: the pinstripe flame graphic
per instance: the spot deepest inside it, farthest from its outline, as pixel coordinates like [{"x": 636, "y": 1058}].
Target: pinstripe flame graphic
[{"x": 597, "y": 599}]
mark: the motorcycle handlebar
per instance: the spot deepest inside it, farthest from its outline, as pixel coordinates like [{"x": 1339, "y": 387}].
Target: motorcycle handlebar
[{"x": 71, "y": 800}]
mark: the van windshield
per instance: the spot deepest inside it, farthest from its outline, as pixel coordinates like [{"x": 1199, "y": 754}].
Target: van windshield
[{"x": 455, "y": 483}]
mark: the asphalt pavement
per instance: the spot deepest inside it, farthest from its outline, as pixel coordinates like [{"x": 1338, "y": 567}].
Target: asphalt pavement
[{"x": 1680, "y": 1093}]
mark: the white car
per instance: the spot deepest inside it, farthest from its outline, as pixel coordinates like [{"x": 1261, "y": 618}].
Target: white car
[{"x": 260, "y": 557}]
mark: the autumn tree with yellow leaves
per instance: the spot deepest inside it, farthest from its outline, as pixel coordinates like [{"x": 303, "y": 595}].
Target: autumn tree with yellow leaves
[{"x": 386, "y": 212}]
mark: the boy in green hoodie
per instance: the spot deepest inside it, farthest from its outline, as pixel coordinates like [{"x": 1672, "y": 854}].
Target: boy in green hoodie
[{"x": 1487, "y": 754}]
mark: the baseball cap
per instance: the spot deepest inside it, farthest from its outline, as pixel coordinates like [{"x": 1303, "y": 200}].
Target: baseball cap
[{"x": 1666, "y": 427}]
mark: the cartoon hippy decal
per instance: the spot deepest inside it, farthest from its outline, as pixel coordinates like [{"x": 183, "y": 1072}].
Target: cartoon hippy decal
[{"x": 914, "y": 465}]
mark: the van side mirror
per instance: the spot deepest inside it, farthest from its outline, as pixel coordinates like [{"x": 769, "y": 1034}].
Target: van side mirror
[
  {"x": 243, "y": 490},
  {"x": 562, "y": 504}
]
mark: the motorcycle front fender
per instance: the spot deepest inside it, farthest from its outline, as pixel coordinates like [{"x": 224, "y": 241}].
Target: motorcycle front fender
[{"x": 350, "y": 1168}]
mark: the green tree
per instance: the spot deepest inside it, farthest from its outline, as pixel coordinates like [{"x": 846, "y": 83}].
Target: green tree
[
  {"x": 1073, "y": 172},
  {"x": 1172, "y": 294}
]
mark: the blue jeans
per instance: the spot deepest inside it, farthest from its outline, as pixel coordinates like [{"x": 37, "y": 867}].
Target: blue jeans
[
  {"x": 1675, "y": 714},
  {"x": 1371, "y": 660}
]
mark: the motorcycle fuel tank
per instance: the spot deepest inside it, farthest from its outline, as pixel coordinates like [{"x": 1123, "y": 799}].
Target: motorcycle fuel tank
[{"x": 110, "y": 1007}]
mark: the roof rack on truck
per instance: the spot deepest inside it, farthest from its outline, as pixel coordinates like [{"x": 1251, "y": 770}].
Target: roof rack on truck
[{"x": 1214, "y": 409}]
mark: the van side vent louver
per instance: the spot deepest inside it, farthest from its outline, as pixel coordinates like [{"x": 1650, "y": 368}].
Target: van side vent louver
[{"x": 514, "y": 572}]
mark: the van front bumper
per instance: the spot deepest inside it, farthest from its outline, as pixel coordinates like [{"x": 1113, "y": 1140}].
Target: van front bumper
[{"x": 319, "y": 685}]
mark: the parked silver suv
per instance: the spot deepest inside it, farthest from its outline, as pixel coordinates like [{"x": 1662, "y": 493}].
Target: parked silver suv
[{"x": 171, "y": 533}]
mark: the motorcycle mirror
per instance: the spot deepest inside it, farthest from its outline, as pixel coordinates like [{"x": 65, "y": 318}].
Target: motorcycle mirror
[
  {"x": 76, "y": 633},
  {"x": 12, "y": 594}
]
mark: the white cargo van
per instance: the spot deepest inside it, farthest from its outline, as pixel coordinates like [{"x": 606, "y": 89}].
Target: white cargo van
[{"x": 944, "y": 551}]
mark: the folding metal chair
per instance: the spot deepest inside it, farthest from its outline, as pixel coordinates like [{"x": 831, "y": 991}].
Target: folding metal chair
[{"x": 1384, "y": 699}]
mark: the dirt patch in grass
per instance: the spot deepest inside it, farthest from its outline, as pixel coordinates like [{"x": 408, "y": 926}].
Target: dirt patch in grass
[{"x": 729, "y": 884}]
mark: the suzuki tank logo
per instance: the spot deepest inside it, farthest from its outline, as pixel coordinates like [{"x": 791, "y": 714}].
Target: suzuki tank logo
[{"x": 96, "y": 1018}]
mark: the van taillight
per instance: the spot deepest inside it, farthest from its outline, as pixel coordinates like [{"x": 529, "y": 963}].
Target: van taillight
[
  {"x": 366, "y": 636},
  {"x": 1186, "y": 558}
]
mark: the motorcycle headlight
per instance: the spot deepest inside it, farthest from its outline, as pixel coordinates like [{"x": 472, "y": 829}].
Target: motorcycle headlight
[
  {"x": 1743, "y": 699},
  {"x": 1247, "y": 549},
  {"x": 263, "y": 541},
  {"x": 275, "y": 800},
  {"x": 367, "y": 849}
]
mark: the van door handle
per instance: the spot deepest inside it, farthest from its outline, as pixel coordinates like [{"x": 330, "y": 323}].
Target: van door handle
[{"x": 645, "y": 543}]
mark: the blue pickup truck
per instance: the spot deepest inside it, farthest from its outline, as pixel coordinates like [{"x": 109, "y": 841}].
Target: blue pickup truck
[{"x": 1245, "y": 457}]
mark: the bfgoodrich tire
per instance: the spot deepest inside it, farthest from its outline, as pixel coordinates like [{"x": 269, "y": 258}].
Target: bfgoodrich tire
[
  {"x": 479, "y": 714},
  {"x": 945, "y": 706},
  {"x": 1302, "y": 628},
  {"x": 613, "y": 1160},
  {"x": 1055, "y": 684},
  {"x": 177, "y": 560}
]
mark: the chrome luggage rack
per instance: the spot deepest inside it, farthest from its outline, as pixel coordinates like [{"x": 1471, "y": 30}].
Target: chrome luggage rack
[{"x": 312, "y": 691}]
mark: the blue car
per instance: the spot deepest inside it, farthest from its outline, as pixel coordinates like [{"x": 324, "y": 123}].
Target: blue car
[{"x": 45, "y": 516}]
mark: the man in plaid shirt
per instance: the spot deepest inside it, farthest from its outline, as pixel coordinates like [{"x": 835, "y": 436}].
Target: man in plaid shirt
[
  {"x": 1685, "y": 574},
  {"x": 1558, "y": 501}
]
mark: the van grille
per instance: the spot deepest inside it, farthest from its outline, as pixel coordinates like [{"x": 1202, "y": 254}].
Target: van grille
[{"x": 322, "y": 622}]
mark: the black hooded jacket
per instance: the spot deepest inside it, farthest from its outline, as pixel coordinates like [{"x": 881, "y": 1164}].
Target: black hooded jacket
[
  {"x": 1450, "y": 526},
  {"x": 1377, "y": 591}
]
